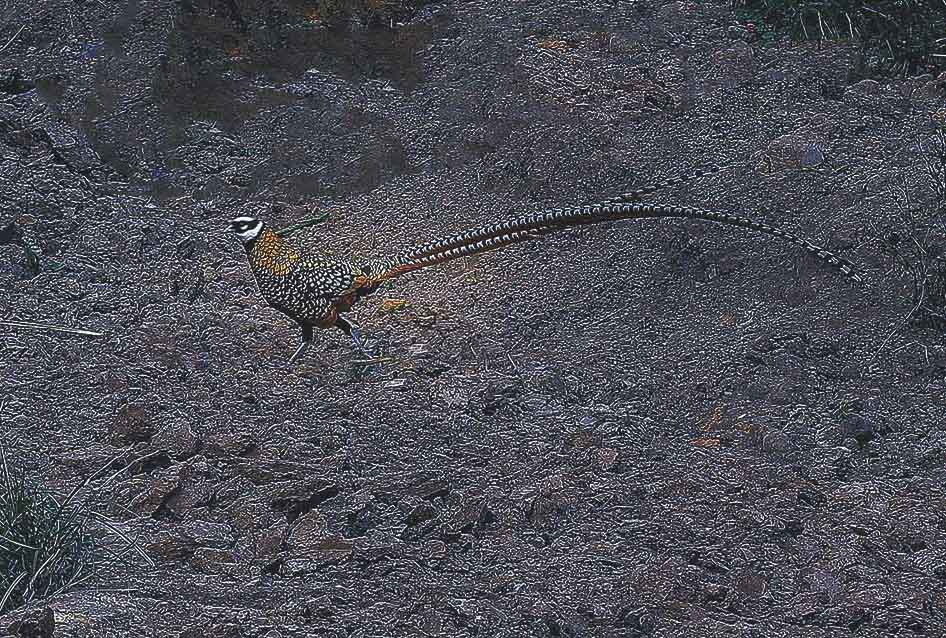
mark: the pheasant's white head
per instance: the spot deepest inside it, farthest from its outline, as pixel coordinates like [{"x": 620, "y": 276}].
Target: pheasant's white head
[{"x": 246, "y": 228}]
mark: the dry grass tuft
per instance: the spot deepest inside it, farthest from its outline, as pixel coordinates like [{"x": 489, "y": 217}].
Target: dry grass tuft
[
  {"x": 894, "y": 37},
  {"x": 48, "y": 546}
]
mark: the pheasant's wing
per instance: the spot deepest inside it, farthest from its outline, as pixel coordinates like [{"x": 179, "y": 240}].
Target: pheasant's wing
[{"x": 328, "y": 279}]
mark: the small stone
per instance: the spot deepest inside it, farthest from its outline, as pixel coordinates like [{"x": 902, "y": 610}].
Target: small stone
[
  {"x": 430, "y": 622},
  {"x": 859, "y": 428},
  {"x": 539, "y": 508},
  {"x": 131, "y": 425},
  {"x": 147, "y": 494},
  {"x": 915, "y": 86},
  {"x": 553, "y": 483},
  {"x": 229, "y": 444},
  {"x": 866, "y": 87},
  {"x": 812, "y": 156},
  {"x": 90, "y": 458},
  {"x": 210, "y": 561},
  {"x": 190, "y": 248},
  {"x": 715, "y": 593},
  {"x": 607, "y": 458},
  {"x": 270, "y": 541},
  {"x": 182, "y": 543},
  {"x": 736, "y": 32},
  {"x": 308, "y": 530},
  {"x": 195, "y": 487},
  {"x": 228, "y": 491},
  {"x": 826, "y": 584},
  {"x": 321, "y": 607},
  {"x": 940, "y": 117},
  {"x": 776, "y": 442},
  {"x": 750, "y": 584},
  {"x": 171, "y": 547},
  {"x": 420, "y": 513},
  {"x": 797, "y": 148},
  {"x": 208, "y": 534},
  {"x": 393, "y": 305},
  {"x": 497, "y": 397},
  {"x": 297, "y": 496},
  {"x": 177, "y": 439},
  {"x": 250, "y": 513},
  {"x": 435, "y": 549},
  {"x": 431, "y": 489},
  {"x": 212, "y": 630},
  {"x": 328, "y": 551},
  {"x": 40, "y": 623},
  {"x": 486, "y": 518}
]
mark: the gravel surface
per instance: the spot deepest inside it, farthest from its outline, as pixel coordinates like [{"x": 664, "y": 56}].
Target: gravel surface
[{"x": 636, "y": 429}]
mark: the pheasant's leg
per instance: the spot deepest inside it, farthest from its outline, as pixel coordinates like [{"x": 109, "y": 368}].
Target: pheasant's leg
[
  {"x": 350, "y": 328},
  {"x": 306, "y": 340}
]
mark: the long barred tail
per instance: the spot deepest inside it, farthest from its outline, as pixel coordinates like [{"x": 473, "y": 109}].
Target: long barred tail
[
  {"x": 485, "y": 232},
  {"x": 533, "y": 226}
]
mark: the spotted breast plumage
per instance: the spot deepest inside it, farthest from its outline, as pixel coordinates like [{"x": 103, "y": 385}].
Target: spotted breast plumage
[{"x": 316, "y": 292}]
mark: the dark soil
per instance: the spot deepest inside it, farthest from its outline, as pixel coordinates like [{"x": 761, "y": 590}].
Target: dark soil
[{"x": 655, "y": 428}]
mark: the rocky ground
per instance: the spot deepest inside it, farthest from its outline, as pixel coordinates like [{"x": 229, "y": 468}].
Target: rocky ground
[{"x": 654, "y": 428}]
